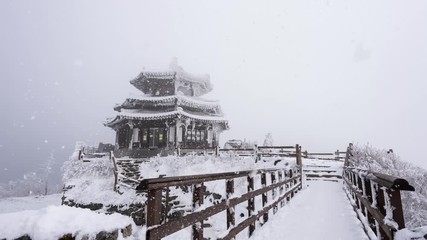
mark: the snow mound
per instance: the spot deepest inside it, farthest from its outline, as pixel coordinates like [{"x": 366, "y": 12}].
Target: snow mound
[
  {"x": 54, "y": 221},
  {"x": 93, "y": 182}
]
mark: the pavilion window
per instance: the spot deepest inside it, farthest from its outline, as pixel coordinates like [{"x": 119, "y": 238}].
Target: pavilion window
[
  {"x": 123, "y": 137},
  {"x": 153, "y": 139},
  {"x": 193, "y": 135},
  {"x": 143, "y": 138},
  {"x": 202, "y": 135}
]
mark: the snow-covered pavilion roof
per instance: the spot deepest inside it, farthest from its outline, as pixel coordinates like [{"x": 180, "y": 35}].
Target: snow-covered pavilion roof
[
  {"x": 175, "y": 74},
  {"x": 146, "y": 115},
  {"x": 166, "y": 100}
]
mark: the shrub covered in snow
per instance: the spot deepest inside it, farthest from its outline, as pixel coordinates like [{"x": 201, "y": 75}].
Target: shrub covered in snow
[{"x": 383, "y": 161}]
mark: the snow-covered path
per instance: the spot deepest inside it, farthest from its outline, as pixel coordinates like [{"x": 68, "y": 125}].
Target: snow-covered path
[{"x": 321, "y": 211}]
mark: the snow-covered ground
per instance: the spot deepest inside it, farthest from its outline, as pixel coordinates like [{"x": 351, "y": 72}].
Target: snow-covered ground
[
  {"x": 52, "y": 222},
  {"x": 16, "y": 204},
  {"x": 321, "y": 211}
]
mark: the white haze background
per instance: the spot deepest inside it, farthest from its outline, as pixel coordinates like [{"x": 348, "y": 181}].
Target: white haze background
[{"x": 318, "y": 73}]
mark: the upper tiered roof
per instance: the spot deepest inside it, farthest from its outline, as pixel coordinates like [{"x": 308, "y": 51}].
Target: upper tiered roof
[
  {"x": 171, "y": 82},
  {"x": 178, "y": 100}
]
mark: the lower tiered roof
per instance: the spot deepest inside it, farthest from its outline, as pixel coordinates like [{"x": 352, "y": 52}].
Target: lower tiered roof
[{"x": 179, "y": 113}]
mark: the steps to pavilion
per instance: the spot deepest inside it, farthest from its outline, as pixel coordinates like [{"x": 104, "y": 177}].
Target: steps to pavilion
[
  {"x": 129, "y": 175},
  {"x": 322, "y": 170}
]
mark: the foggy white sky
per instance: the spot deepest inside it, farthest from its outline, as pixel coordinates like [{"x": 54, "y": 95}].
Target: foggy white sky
[{"x": 318, "y": 73}]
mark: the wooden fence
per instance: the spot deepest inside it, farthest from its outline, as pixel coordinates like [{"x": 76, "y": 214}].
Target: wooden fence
[
  {"x": 377, "y": 197},
  {"x": 256, "y": 151},
  {"x": 336, "y": 156},
  {"x": 282, "y": 187}
]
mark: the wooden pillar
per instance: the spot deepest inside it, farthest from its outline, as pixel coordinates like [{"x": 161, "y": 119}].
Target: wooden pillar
[
  {"x": 131, "y": 136},
  {"x": 116, "y": 146}
]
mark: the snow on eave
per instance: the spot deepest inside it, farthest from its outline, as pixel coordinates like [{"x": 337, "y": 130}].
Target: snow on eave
[
  {"x": 164, "y": 115},
  {"x": 156, "y": 75},
  {"x": 182, "y": 100}
]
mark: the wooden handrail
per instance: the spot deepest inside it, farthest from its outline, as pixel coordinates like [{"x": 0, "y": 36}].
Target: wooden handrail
[
  {"x": 377, "y": 196},
  {"x": 155, "y": 183},
  {"x": 154, "y": 187},
  {"x": 384, "y": 180}
]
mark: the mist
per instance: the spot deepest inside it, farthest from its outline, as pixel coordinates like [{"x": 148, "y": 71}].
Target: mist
[{"x": 317, "y": 73}]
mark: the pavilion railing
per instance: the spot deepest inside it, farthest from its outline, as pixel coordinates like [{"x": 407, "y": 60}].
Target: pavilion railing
[
  {"x": 282, "y": 186},
  {"x": 377, "y": 201}
]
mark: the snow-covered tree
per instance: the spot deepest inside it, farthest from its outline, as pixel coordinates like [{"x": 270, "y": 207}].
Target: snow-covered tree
[
  {"x": 46, "y": 170},
  {"x": 268, "y": 141},
  {"x": 31, "y": 183}
]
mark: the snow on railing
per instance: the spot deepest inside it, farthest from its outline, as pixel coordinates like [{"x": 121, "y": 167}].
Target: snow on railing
[
  {"x": 275, "y": 190},
  {"x": 257, "y": 151},
  {"x": 376, "y": 199}
]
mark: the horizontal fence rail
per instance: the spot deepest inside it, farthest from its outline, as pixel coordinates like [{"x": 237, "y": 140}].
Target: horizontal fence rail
[
  {"x": 256, "y": 151},
  {"x": 283, "y": 184},
  {"x": 337, "y": 156},
  {"x": 377, "y": 197}
]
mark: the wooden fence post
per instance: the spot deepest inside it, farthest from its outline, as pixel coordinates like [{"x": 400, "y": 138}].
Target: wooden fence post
[
  {"x": 230, "y": 210},
  {"x": 281, "y": 187},
  {"x": 273, "y": 192},
  {"x": 257, "y": 155},
  {"x": 396, "y": 204},
  {"x": 348, "y": 155},
  {"x": 251, "y": 205},
  {"x": 115, "y": 171},
  {"x": 264, "y": 196},
  {"x": 368, "y": 192},
  {"x": 154, "y": 204},
  {"x": 298, "y": 154},
  {"x": 217, "y": 151},
  {"x": 198, "y": 194}
]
